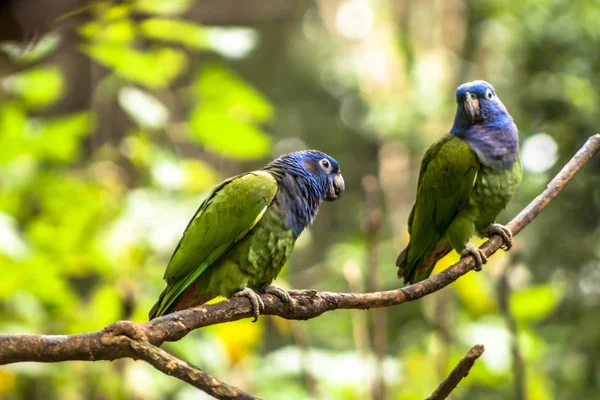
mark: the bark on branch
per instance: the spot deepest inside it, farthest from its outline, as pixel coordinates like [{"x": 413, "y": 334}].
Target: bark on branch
[
  {"x": 457, "y": 374},
  {"x": 306, "y": 304}
]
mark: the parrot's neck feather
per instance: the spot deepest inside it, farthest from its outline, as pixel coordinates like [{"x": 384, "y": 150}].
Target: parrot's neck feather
[
  {"x": 495, "y": 140},
  {"x": 299, "y": 197},
  {"x": 496, "y": 146}
]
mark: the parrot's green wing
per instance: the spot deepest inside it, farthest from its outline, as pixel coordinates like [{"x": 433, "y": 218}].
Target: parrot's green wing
[
  {"x": 447, "y": 175},
  {"x": 223, "y": 219}
]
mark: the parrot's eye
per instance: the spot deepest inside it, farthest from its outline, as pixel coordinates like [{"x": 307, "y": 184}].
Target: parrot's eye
[
  {"x": 325, "y": 164},
  {"x": 489, "y": 94}
]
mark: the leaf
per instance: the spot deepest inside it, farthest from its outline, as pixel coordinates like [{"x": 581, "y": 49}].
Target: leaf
[
  {"x": 161, "y": 7},
  {"x": 114, "y": 11},
  {"x": 47, "y": 139},
  {"x": 535, "y": 302},
  {"x": 220, "y": 87},
  {"x": 120, "y": 31},
  {"x": 37, "y": 87},
  {"x": 154, "y": 68},
  {"x": 228, "y": 136},
  {"x": 58, "y": 139},
  {"x": 105, "y": 305},
  {"x": 169, "y": 30},
  {"x": 225, "y": 119},
  {"x": 12, "y": 125}
]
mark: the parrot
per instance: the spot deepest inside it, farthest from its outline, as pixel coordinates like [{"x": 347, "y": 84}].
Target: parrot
[
  {"x": 243, "y": 233},
  {"x": 466, "y": 178}
]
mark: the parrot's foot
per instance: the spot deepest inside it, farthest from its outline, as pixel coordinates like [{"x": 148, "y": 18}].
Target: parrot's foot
[
  {"x": 257, "y": 304},
  {"x": 279, "y": 292},
  {"x": 503, "y": 232},
  {"x": 477, "y": 253}
]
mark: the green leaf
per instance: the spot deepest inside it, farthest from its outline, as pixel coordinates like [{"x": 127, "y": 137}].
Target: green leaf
[
  {"x": 225, "y": 120},
  {"x": 221, "y": 87},
  {"x": 161, "y": 7},
  {"x": 155, "y": 68},
  {"x": 37, "y": 87},
  {"x": 12, "y": 125},
  {"x": 114, "y": 12},
  {"x": 55, "y": 139},
  {"x": 186, "y": 33},
  {"x": 120, "y": 31},
  {"x": 535, "y": 302},
  {"x": 58, "y": 139},
  {"x": 222, "y": 134}
]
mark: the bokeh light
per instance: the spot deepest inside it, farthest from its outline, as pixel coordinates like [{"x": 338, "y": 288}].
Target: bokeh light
[{"x": 539, "y": 153}]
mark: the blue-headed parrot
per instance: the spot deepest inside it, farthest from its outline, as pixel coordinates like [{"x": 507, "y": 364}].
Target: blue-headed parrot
[
  {"x": 466, "y": 178},
  {"x": 243, "y": 233}
]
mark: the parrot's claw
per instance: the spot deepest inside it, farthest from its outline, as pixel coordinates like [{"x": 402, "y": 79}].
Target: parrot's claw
[
  {"x": 279, "y": 292},
  {"x": 503, "y": 232},
  {"x": 257, "y": 304},
  {"x": 477, "y": 253}
]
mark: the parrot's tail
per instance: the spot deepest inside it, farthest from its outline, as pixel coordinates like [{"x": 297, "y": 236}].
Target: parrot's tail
[
  {"x": 401, "y": 262},
  {"x": 421, "y": 269},
  {"x": 189, "y": 298}
]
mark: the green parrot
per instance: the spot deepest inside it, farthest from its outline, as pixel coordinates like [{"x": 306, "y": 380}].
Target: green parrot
[
  {"x": 243, "y": 233},
  {"x": 466, "y": 179}
]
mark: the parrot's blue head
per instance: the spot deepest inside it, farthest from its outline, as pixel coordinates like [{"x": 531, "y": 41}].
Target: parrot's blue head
[
  {"x": 319, "y": 173},
  {"x": 324, "y": 170},
  {"x": 482, "y": 121},
  {"x": 306, "y": 178}
]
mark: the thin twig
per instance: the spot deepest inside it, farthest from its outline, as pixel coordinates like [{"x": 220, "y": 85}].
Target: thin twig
[
  {"x": 173, "y": 366},
  {"x": 128, "y": 337},
  {"x": 306, "y": 303},
  {"x": 457, "y": 374}
]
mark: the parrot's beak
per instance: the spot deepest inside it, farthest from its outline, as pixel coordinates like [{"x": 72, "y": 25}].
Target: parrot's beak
[
  {"x": 336, "y": 189},
  {"x": 471, "y": 106}
]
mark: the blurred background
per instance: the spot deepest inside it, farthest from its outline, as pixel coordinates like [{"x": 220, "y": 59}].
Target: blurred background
[{"x": 117, "y": 118}]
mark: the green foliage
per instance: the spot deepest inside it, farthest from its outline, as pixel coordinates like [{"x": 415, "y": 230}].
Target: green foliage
[
  {"x": 535, "y": 302},
  {"x": 169, "y": 30},
  {"x": 225, "y": 119},
  {"x": 119, "y": 31},
  {"x": 37, "y": 87},
  {"x": 173, "y": 7},
  {"x": 155, "y": 68}
]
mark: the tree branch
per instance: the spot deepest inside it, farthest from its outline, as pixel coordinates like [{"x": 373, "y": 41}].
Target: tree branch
[
  {"x": 130, "y": 338},
  {"x": 457, "y": 374},
  {"x": 170, "y": 365},
  {"x": 306, "y": 304}
]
